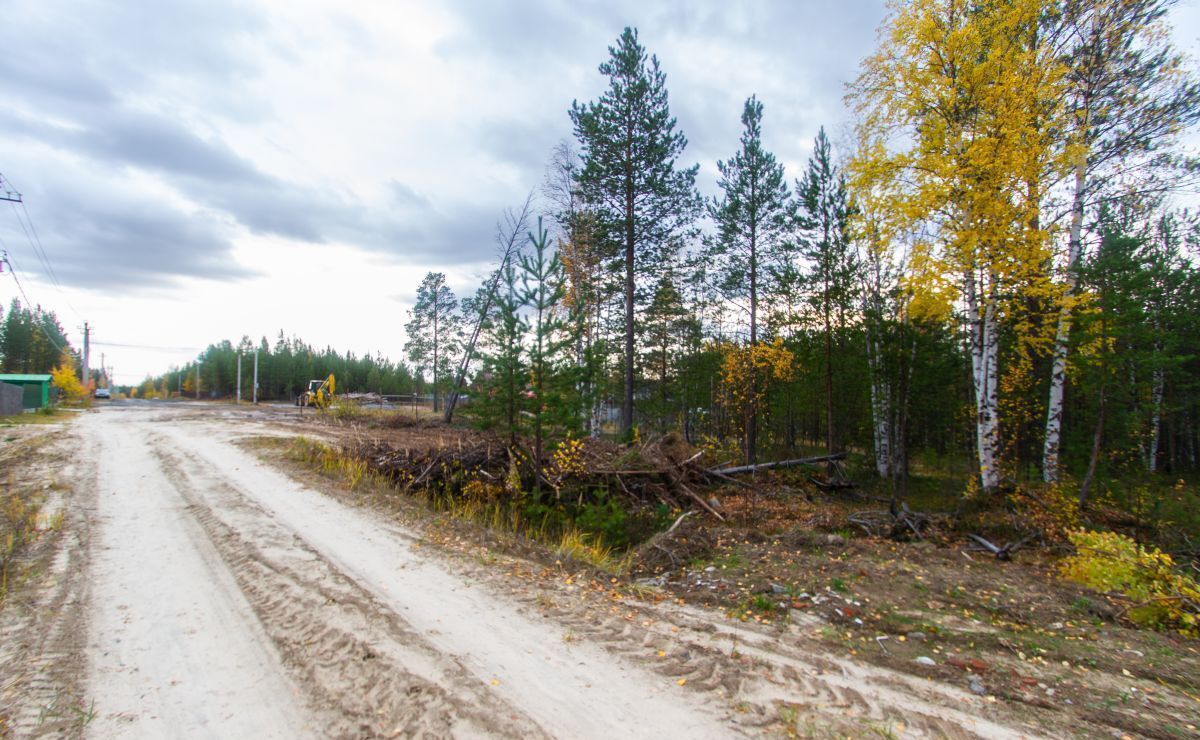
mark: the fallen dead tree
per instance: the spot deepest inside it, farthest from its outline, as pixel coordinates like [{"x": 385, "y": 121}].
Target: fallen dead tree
[
  {"x": 1004, "y": 552},
  {"x": 776, "y": 464}
]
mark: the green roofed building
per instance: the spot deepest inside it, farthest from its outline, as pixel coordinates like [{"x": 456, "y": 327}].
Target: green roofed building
[{"x": 36, "y": 389}]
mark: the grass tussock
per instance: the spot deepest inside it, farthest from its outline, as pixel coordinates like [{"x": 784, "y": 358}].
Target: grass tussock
[
  {"x": 330, "y": 461},
  {"x": 22, "y": 523}
]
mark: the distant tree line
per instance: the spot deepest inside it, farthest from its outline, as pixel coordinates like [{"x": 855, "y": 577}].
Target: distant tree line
[{"x": 284, "y": 371}]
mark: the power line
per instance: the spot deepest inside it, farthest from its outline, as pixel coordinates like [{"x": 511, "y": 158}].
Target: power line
[
  {"x": 147, "y": 346},
  {"x": 35, "y": 241},
  {"x": 28, "y": 302},
  {"x": 9, "y": 195}
]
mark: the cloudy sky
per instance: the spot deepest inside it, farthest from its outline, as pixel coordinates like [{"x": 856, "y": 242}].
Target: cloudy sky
[{"x": 201, "y": 170}]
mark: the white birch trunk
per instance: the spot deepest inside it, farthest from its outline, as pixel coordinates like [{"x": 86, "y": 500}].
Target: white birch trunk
[
  {"x": 880, "y": 410},
  {"x": 1058, "y": 371},
  {"x": 1156, "y": 397},
  {"x": 985, "y": 363}
]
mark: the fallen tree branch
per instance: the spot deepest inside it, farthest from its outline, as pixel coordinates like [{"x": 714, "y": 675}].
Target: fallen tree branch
[
  {"x": 777, "y": 464},
  {"x": 1001, "y": 553}
]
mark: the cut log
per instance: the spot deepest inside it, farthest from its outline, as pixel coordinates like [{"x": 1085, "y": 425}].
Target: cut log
[{"x": 776, "y": 464}]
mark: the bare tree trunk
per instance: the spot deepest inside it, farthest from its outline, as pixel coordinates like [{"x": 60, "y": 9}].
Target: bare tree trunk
[
  {"x": 752, "y": 420},
  {"x": 828, "y": 381},
  {"x": 880, "y": 408},
  {"x": 1156, "y": 399},
  {"x": 627, "y": 402},
  {"x": 516, "y": 225},
  {"x": 1097, "y": 439}
]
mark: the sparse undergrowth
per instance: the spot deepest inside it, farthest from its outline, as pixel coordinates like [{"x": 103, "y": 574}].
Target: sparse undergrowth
[{"x": 22, "y": 521}]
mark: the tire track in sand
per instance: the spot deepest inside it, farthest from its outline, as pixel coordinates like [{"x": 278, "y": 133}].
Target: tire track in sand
[{"x": 363, "y": 671}]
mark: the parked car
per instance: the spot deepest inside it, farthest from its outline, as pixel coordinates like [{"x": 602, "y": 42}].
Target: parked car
[{"x": 102, "y": 393}]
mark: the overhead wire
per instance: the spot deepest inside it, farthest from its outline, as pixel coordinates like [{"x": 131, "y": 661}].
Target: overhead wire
[
  {"x": 146, "y": 346},
  {"x": 13, "y": 271},
  {"x": 35, "y": 242}
]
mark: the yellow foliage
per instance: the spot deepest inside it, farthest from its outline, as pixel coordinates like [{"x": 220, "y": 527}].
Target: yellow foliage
[
  {"x": 1162, "y": 596},
  {"x": 741, "y": 366},
  {"x": 959, "y": 110},
  {"x": 64, "y": 379},
  {"x": 566, "y": 461}
]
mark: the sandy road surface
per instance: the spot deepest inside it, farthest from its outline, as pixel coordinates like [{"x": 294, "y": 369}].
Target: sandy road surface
[{"x": 226, "y": 600}]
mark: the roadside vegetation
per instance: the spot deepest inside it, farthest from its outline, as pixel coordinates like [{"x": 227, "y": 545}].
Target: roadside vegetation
[{"x": 23, "y": 521}]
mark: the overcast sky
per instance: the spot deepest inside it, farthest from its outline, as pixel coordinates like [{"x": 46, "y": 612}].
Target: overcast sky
[{"x": 200, "y": 170}]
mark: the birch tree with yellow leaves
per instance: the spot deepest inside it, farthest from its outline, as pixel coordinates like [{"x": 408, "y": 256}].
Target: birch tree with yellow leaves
[{"x": 957, "y": 113}]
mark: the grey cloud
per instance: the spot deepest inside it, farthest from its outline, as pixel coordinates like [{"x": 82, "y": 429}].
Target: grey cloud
[
  {"x": 85, "y": 97},
  {"x": 117, "y": 242}
]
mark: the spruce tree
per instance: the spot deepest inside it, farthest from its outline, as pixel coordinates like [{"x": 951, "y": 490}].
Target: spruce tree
[{"x": 629, "y": 147}]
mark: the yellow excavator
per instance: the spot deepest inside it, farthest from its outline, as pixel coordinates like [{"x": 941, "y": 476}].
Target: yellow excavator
[{"x": 319, "y": 393}]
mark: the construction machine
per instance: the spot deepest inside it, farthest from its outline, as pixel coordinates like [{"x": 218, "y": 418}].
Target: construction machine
[{"x": 319, "y": 393}]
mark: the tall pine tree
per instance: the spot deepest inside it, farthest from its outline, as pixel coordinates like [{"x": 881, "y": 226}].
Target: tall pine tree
[
  {"x": 824, "y": 209},
  {"x": 752, "y": 218},
  {"x": 630, "y": 145}
]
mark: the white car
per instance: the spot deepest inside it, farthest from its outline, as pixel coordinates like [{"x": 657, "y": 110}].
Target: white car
[{"x": 102, "y": 393}]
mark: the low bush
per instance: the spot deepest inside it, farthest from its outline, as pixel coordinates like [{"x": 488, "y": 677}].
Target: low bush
[{"x": 1161, "y": 596}]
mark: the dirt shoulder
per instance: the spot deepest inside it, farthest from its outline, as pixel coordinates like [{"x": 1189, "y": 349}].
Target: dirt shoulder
[{"x": 42, "y": 612}]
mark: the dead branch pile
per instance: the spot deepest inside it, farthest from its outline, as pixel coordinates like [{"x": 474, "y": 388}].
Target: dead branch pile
[
  {"x": 664, "y": 470},
  {"x": 434, "y": 467},
  {"x": 898, "y": 524},
  {"x": 683, "y": 543}
]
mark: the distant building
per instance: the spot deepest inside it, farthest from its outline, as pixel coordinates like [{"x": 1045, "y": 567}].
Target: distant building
[{"x": 35, "y": 389}]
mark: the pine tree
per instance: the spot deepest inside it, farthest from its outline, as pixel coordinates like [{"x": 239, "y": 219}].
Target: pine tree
[
  {"x": 752, "y": 218},
  {"x": 824, "y": 212},
  {"x": 669, "y": 331},
  {"x": 504, "y": 372},
  {"x": 543, "y": 286},
  {"x": 433, "y": 330},
  {"x": 630, "y": 146}
]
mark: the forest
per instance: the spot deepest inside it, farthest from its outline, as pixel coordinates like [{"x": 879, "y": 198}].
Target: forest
[
  {"x": 992, "y": 274},
  {"x": 31, "y": 339}
]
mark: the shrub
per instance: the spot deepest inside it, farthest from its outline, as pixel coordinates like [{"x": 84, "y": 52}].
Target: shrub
[{"x": 1161, "y": 595}]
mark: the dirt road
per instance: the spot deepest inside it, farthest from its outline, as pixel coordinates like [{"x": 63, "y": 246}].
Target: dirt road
[{"x": 224, "y": 599}]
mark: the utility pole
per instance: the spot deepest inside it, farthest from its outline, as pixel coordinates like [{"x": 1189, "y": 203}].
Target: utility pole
[
  {"x": 255, "y": 392},
  {"x": 239, "y": 383},
  {"x": 197, "y": 380},
  {"x": 103, "y": 370},
  {"x": 6, "y": 194},
  {"x": 86, "y": 349}
]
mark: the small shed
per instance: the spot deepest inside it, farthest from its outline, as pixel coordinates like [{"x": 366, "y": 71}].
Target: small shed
[{"x": 35, "y": 389}]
